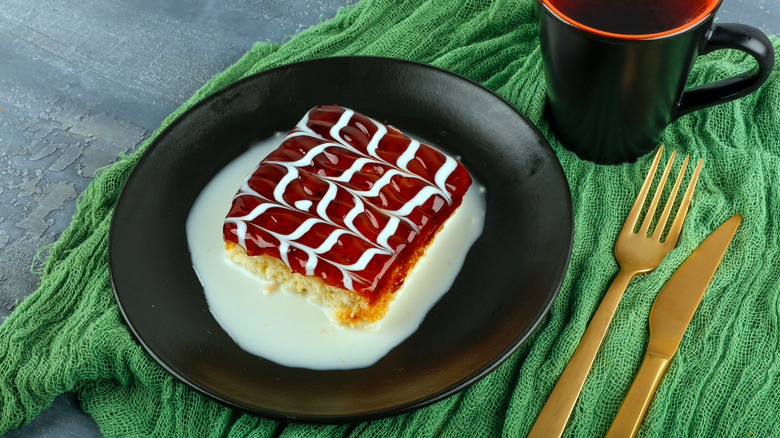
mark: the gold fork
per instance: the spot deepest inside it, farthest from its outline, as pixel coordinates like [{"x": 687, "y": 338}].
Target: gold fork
[{"x": 637, "y": 253}]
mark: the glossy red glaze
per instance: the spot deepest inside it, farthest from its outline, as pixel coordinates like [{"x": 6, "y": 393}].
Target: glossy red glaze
[{"x": 314, "y": 207}]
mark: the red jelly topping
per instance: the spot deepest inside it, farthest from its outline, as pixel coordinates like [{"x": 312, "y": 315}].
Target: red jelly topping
[{"x": 347, "y": 199}]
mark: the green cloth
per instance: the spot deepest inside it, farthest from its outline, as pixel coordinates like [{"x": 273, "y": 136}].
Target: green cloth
[{"x": 723, "y": 382}]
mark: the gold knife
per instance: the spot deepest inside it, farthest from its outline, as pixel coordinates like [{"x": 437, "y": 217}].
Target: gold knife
[{"x": 672, "y": 311}]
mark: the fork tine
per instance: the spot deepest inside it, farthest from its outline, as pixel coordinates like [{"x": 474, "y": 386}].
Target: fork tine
[
  {"x": 674, "y": 231},
  {"x": 658, "y": 191},
  {"x": 636, "y": 209},
  {"x": 670, "y": 201}
]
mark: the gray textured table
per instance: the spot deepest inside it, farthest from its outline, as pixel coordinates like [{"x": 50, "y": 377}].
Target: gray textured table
[{"x": 82, "y": 81}]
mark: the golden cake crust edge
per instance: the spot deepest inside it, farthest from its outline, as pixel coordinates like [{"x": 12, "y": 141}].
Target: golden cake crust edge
[{"x": 346, "y": 307}]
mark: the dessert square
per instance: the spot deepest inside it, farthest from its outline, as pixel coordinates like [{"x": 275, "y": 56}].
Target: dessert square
[{"x": 342, "y": 210}]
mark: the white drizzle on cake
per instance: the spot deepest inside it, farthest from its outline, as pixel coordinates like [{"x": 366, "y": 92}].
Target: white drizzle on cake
[
  {"x": 376, "y": 200},
  {"x": 381, "y": 246}
]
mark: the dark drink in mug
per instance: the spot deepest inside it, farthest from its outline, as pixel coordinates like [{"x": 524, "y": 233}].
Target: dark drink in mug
[
  {"x": 616, "y": 70},
  {"x": 637, "y": 17}
]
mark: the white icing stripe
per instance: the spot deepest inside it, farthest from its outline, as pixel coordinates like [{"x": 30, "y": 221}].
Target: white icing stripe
[
  {"x": 379, "y": 184},
  {"x": 372, "y": 146},
  {"x": 307, "y": 159},
  {"x": 257, "y": 211},
  {"x": 303, "y": 125},
  {"x": 335, "y": 130},
  {"x": 315, "y": 136},
  {"x": 346, "y": 278},
  {"x": 408, "y": 155},
  {"x": 245, "y": 189},
  {"x": 418, "y": 200},
  {"x": 443, "y": 173},
  {"x": 292, "y": 174},
  {"x": 354, "y": 168},
  {"x": 362, "y": 261},
  {"x": 328, "y": 243},
  {"x": 241, "y": 233},
  {"x": 330, "y": 195},
  {"x": 303, "y": 228},
  {"x": 388, "y": 231},
  {"x": 311, "y": 262},
  {"x": 356, "y": 210},
  {"x": 284, "y": 247}
]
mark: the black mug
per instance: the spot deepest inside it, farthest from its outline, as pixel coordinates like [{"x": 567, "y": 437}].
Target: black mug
[{"x": 616, "y": 69}]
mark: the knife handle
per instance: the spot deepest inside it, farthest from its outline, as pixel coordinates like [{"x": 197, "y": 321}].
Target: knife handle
[{"x": 634, "y": 407}]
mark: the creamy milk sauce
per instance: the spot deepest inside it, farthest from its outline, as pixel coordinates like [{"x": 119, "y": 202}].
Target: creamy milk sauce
[{"x": 287, "y": 329}]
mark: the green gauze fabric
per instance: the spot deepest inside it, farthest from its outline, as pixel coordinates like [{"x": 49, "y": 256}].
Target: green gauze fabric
[{"x": 723, "y": 382}]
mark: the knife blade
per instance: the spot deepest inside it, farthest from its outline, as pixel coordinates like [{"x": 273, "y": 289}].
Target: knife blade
[{"x": 670, "y": 315}]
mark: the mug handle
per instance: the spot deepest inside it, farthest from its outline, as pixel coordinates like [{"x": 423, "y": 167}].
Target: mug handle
[{"x": 730, "y": 36}]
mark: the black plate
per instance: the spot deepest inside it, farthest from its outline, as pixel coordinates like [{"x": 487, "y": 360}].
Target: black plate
[{"x": 507, "y": 284}]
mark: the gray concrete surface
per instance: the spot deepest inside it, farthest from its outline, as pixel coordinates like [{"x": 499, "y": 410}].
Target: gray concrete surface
[{"x": 82, "y": 81}]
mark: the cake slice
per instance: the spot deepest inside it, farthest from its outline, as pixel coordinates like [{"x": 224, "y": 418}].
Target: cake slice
[{"x": 342, "y": 210}]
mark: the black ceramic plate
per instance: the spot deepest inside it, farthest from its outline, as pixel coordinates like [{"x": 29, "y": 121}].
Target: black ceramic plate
[{"x": 505, "y": 288}]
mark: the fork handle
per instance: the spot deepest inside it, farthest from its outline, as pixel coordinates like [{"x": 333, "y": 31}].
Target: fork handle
[
  {"x": 634, "y": 407},
  {"x": 551, "y": 422}
]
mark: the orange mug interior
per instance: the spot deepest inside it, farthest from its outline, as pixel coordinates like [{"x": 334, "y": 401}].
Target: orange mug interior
[{"x": 694, "y": 11}]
